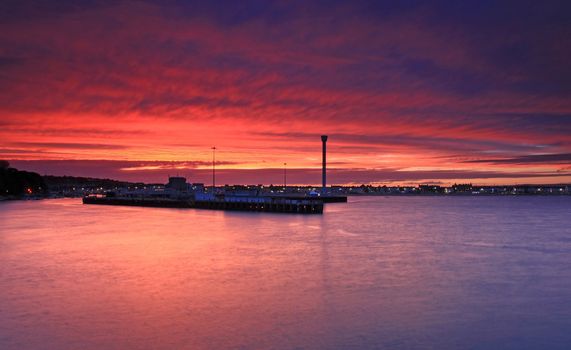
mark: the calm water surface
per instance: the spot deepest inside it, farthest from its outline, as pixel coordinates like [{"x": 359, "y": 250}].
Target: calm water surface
[{"x": 399, "y": 273}]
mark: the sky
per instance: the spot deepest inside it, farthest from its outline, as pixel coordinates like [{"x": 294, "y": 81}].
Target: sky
[{"x": 408, "y": 91}]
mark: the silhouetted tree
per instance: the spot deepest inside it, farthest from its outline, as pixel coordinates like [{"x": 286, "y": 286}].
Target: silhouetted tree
[{"x": 17, "y": 183}]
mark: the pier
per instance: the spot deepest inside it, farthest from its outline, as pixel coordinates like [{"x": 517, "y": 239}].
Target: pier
[
  {"x": 139, "y": 202},
  {"x": 177, "y": 193},
  {"x": 238, "y": 203},
  {"x": 264, "y": 204}
]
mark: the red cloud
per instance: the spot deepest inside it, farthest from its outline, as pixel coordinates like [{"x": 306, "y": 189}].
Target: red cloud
[{"x": 159, "y": 85}]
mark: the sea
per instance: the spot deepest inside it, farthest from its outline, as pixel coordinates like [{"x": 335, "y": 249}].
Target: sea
[{"x": 373, "y": 273}]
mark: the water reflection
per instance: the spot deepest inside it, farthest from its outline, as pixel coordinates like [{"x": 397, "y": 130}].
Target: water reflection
[{"x": 379, "y": 272}]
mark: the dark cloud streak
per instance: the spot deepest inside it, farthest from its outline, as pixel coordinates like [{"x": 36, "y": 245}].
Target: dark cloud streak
[
  {"x": 69, "y": 145},
  {"x": 564, "y": 158}
]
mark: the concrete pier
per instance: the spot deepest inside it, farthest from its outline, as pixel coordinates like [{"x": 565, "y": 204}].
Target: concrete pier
[
  {"x": 249, "y": 203},
  {"x": 139, "y": 202},
  {"x": 264, "y": 204}
]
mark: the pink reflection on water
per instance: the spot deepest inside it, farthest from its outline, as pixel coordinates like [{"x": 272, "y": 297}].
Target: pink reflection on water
[{"x": 90, "y": 277}]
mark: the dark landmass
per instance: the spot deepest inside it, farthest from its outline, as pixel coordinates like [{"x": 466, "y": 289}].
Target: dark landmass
[
  {"x": 17, "y": 183},
  {"x": 418, "y": 190},
  {"x": 455, "y": 190},
  {"x": 71, "y": 186}
]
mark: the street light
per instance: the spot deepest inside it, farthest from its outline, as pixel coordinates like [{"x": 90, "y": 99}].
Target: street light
[{"x": 213, "y": 169}]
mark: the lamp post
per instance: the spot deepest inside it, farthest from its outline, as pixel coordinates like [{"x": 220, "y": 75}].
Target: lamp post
[
  {"x": 213, "y": 169},
  {"x": 324, "y": 164}
]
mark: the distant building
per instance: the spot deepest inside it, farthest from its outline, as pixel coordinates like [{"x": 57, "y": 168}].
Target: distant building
[
  {"x": 430, "y": 189},
  {"x": 177, "y": 183},
  {"x": 462, "y": 188}
]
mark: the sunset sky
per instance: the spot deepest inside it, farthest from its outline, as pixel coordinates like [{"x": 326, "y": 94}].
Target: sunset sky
[{"x": 454, "y": 91}]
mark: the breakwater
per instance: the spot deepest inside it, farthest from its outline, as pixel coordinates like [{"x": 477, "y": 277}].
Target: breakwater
[{"x": 239, "y": 203}]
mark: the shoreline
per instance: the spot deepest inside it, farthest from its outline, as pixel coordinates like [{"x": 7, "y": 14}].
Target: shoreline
[{"x": 10, "y": 199}]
